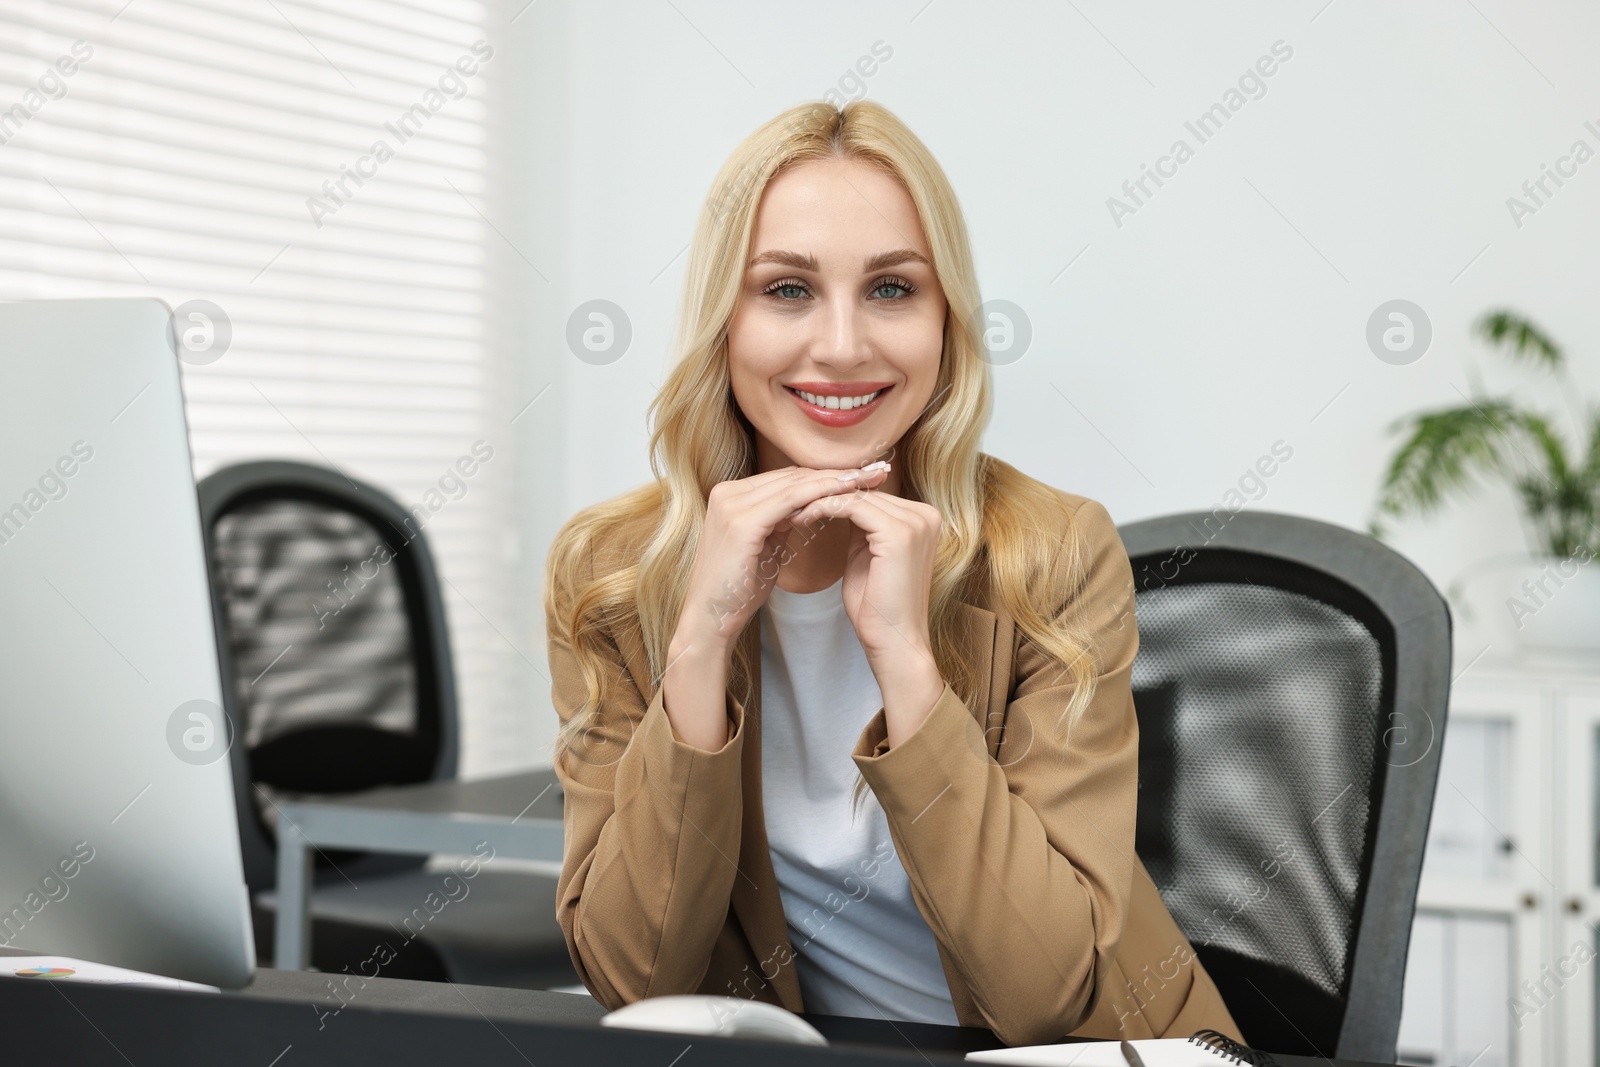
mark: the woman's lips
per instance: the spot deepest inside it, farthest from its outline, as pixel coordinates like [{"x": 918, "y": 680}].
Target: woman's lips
[{"x": 835, "y": 416}]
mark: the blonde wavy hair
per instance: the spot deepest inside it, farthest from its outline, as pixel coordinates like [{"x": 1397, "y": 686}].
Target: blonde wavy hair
[{"x": 699, "y": 438}]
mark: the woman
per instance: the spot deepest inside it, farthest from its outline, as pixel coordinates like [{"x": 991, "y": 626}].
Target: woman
[{"x": 846, "y": 717}]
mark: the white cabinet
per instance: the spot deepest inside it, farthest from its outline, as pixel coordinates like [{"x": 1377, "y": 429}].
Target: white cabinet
[
  {"x": 1565, "y": 984},
  {"x": 1501, "y": 970}
]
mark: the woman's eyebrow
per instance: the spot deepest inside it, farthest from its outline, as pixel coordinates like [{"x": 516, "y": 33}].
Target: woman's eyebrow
[
  {"x": 809, "y": 262},
  {"x": 892, "y": 259},
  {"x": 788, "y": 259}
]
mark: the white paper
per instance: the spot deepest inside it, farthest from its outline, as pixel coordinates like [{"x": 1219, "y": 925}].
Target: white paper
[
  {"x": 1155, "y": 1052},
  {"x": 84, "y": 971}
]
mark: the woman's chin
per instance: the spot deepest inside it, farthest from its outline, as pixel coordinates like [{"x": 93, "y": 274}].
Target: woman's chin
[
  {"x": 821, "y": 461},
  {"x": 828, "y": 455}
]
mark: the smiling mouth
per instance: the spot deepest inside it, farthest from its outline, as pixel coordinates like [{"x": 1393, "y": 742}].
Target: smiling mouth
[{"x": 839, "y": 403}]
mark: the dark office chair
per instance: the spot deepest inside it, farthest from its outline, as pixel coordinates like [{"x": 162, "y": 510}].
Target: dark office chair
[
  {"x": 1291, "y": 687},
  {"x": 337, "y": 676}
]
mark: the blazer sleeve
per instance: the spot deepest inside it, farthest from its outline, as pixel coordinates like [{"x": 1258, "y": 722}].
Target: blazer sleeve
[
  {"x": 652, "y": 828},
  {"x": 1023, "y": 864}
]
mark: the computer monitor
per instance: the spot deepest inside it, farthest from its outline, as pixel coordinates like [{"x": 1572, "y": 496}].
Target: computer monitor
[{"x": 118, "y": 837}]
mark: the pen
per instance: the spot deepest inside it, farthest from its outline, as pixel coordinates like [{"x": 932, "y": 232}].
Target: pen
[{"x": 1131, "y": 1056}]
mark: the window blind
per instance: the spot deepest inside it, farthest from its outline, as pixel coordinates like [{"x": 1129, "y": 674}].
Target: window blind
[{"x": 317, "y": 175}]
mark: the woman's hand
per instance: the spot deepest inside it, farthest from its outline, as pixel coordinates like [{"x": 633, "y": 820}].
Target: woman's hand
[
  {"x": 887, "y": 575},
  {"x": 742, "y": 545}
]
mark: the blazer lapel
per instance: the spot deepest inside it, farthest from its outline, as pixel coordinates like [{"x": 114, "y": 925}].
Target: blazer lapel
[
  {"x": 980, "y": 638},
  {"x": 756, "y": 900}
]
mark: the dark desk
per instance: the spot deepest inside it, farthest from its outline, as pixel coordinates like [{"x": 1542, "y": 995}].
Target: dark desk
[
  {"x": 294, "y": 1019},
  {"x": 518, "y": 815}
]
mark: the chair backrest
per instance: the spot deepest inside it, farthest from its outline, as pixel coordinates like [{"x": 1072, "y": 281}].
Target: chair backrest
[
  {"x": 1291, "y": 688},
  {"x": 336, "y": 666}
]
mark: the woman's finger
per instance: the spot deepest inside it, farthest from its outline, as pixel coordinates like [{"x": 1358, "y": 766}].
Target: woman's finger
[
  {"x": 788, "y": 499},
  {"x": 863, "y": 509}
]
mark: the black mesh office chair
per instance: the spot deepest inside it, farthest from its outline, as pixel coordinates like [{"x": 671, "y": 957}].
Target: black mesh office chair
[
  {"x": 1291, "y": 688},
  {"x": 337, "y": 676}
]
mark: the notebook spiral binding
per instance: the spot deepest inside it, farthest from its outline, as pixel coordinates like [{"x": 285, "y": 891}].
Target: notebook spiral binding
[{"x": 1229, "y": 1049}]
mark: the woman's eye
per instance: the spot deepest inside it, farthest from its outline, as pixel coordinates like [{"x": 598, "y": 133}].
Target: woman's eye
[
  {"x": 892, "y": 289},
  {"x": 787, "y": 290}
]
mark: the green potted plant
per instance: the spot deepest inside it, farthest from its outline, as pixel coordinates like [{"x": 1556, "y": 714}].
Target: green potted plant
[{"x": 1558, "y": 488}]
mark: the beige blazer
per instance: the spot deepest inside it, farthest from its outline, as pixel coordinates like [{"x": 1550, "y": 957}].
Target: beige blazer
[{"x": 1017, "y": 835}]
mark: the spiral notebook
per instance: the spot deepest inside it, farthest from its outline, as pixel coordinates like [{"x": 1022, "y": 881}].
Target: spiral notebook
[{"x": 1205, "y": 1048}]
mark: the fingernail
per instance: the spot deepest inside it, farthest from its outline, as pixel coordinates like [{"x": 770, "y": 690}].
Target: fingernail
[
  {"x": 852, "y": 476},
  {"x": 881, "y": 465}
]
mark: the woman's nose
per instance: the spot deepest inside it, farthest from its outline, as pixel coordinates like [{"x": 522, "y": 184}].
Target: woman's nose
[{"x": 844, "y": 339}]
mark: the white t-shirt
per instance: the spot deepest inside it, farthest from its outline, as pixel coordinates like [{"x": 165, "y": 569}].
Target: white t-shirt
[{"x": 863, "y": 947}]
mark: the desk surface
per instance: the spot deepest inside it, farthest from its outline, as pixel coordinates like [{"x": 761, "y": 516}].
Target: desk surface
[
  {"x": 299, "y": 1019},
  {"x": 523, "y": 795},
  {"x": 519, "y": 816}
]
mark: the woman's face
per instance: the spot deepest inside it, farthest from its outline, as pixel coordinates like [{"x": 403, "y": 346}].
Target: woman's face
[{"x": 839, "y": 296}]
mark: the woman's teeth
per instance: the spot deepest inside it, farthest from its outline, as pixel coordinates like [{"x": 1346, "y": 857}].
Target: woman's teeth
[{"x": 838, "y": 403}]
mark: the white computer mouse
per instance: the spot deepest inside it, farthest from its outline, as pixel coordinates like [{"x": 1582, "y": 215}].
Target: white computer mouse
[{"x": 699, "y": 1013}]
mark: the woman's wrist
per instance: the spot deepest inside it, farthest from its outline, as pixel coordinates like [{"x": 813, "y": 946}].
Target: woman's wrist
[
  {"x": 694, "y": 686},
  {"x": 702, "y": 644},
  {"x": 909, "y": 695}
]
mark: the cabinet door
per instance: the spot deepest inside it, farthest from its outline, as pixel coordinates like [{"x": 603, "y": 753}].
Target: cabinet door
[
  {"x": 1453, "y": 1002},
  {"x": 1566, "y": 986},
  {"x": 1487, "y": 882}
]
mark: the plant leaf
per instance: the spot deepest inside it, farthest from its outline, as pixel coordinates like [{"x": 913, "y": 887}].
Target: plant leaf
[
  {"x": 1549, "y": 442},
  {"x": 1525, "y": 340},
  {"x": 1591, "y": 462},
  {"x": 1443, "y": 449}
]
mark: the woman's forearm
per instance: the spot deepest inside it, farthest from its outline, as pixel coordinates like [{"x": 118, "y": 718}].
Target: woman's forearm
[
  {"x": 652, "y": 840},
  {"x": 651, "y": 859}
]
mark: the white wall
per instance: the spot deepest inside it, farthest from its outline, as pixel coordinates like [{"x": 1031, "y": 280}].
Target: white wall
[{"x": 1228, "y": 313}]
